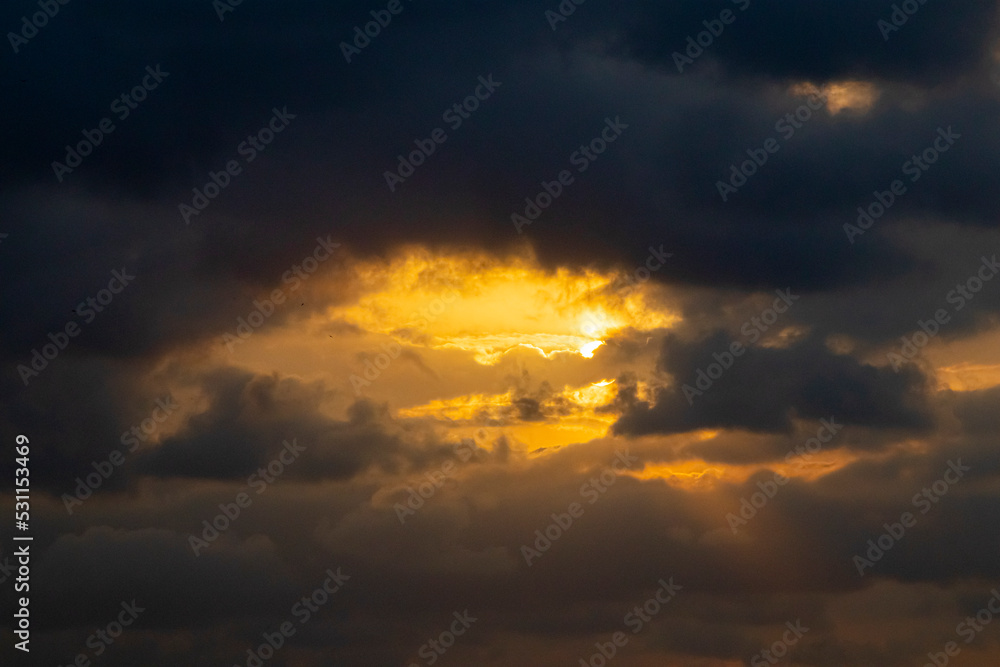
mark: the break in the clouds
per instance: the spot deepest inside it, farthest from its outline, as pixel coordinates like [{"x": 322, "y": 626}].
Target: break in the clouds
[{"x": 531, "y": 333}]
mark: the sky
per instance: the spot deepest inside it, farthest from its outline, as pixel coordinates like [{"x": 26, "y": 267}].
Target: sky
[{"x": 412, "y": 332}]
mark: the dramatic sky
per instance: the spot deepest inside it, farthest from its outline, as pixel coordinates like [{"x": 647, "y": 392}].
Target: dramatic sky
[{"x": 648, "y": 333}]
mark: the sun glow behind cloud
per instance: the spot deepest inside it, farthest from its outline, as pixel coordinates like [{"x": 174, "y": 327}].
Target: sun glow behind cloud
[
  {"x": 481, "y": 341},
  {"x": 490, "y": 307},
  {"x": 498, "y": 343},
  {"x": 489, "y": 342}
]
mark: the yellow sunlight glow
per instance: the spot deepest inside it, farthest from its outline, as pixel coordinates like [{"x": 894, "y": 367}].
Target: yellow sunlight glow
[
  {"x": 577, "y": 420},
  {"x": 490, "y": 307}
]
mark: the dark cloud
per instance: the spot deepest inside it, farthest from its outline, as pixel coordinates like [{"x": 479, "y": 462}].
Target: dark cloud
[
  {"x": 253, "y": 420},
  {"x": 783, "y": 227},
  {"x": 763, "y": 388},
  {"x": 785, "y": 39}
]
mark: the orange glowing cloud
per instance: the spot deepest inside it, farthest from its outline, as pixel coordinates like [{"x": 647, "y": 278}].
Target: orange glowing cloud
[
  {"x": 489, "y": 307},
  {"x": 859, "y": 96}
]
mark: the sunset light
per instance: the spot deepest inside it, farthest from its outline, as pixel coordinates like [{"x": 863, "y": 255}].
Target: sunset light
[{"x": 545, "y": 333}]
